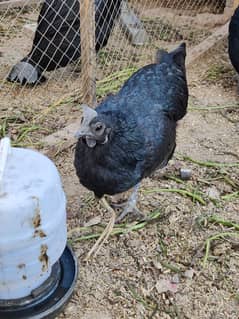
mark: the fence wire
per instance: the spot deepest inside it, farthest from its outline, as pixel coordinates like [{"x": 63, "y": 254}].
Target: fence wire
[{"x": 40, "y": 47}]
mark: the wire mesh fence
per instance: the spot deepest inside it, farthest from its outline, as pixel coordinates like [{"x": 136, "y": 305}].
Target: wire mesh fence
[{"x": 42, "y": 45}]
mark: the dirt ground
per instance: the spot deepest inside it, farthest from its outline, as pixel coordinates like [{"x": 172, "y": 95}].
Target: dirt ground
[{"x": 181, "y": 262}]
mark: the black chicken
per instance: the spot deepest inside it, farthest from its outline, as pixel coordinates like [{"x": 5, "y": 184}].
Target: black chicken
[
  {"x": 233, "y": 40},
  {"x": 131, "y": 134},
  {"x": 57, "y": 38}
]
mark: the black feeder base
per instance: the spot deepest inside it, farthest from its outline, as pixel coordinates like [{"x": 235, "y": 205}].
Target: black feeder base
[{"x": 49, "y": 299}]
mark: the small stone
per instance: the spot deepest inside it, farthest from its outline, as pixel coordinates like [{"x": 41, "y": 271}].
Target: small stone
[
  {"x": 213, "y": 192},
  {"x": 175, "y": 279},
  {"x": 189, "y": 273},
  {"x": 157, "y": 265},
  {"x": 164, "y": 285},
  {"x": 185, "y": 173}
]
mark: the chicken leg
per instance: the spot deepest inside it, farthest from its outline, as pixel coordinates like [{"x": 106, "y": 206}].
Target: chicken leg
[
  {"x": 130, "y": 206},
  {"x": 106, "y": 233}
]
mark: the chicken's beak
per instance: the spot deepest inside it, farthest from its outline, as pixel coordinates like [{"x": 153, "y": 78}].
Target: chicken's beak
[
  {"x": 89, "y": 138},
  {"x": 77, "y": 135}
]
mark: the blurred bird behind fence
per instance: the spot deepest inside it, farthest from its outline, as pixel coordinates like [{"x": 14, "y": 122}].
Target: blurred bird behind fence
[{"x": 57, "y": 40}]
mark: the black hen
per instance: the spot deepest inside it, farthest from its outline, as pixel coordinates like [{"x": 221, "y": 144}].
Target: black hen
[
  {"x": 132, "y": 133},
  {"x": 233, "y": 40},
  {"x": 57, "y": 38}
]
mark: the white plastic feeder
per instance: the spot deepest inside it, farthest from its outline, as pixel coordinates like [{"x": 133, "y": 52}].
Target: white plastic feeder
[{"x": 33, "y": 229}]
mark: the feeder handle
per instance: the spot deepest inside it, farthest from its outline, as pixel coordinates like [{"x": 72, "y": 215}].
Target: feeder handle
[{"x": 5, "y": 150}]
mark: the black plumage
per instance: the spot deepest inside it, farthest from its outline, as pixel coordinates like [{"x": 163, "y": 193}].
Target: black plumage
[
  {"x": 57, "y": 38},
  {"x": 131, "y": 134},
  {"x": 233, "y": 40}
]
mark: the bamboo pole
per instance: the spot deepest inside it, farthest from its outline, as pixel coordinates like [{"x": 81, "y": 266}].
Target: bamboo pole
[{"x": 88, "y": 54}]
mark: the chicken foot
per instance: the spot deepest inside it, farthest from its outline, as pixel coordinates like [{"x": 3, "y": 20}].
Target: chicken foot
[{"x": 130, "y": 206}]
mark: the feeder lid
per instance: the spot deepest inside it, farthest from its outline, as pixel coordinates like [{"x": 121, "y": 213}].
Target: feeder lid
[{"x": 24, "y": 172}]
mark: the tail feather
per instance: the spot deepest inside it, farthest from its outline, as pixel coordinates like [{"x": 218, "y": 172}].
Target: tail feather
[
  {"x": 179, "y": 55},
  {"x": 178, "y": 109}
]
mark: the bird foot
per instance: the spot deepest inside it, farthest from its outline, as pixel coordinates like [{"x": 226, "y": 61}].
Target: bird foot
[{"x": 128, "y": 209}]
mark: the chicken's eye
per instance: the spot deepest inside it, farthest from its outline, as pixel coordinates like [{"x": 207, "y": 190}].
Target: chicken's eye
[{"x": 99, "y": 127}]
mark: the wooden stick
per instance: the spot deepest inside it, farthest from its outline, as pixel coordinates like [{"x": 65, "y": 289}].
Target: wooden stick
[
  {"x": 88, "y": 55},
  {"x": 235, "y": 4},
  {"x": 207, "y": 44}
]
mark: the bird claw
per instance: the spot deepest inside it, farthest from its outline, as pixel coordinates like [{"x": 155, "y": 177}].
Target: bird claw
[
  {"x": 130, "y": 210},
  {"x": 127, "y": 209}
]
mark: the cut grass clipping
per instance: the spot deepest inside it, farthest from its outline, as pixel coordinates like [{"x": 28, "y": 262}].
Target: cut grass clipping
[
  {"x": 194, "y": 196},
  {"x": 211, "y": 239},
  {"x": 113, "y": 82},
  {"x": 208, "y": 163},
  {"x": 118, "y": 229},
  {"x": 23, "y": 130},
  {"x": 147, "y": 303},
  {"x": 217, "y": 220}
]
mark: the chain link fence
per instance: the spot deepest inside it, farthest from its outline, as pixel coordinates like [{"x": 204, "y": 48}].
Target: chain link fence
[{"x": 43, "y": 44}]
